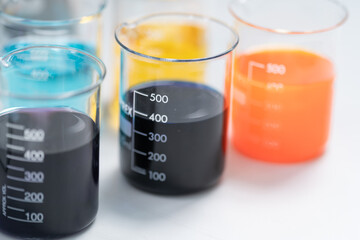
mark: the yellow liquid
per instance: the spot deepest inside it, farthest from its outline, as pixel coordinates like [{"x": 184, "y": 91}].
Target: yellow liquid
[{"x": 162, "y": 40}]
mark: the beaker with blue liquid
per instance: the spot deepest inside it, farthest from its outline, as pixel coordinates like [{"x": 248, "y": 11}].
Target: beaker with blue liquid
[{"x": 49, "y": 144}]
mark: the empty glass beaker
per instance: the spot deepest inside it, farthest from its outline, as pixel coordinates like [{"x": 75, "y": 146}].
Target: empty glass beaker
[
  {"x": 49, "y": 144},
  {"x": 284, "y": 74},
  {"x": 173, "y": 106}
]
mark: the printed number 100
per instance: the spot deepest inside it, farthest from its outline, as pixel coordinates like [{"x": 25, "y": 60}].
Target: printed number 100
[{"x": 157, "y": 176}]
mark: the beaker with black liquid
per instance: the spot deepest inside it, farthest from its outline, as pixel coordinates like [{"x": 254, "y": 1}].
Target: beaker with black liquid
[
  {"x": 173, "y": 110},
  {"x": 49, "y": 144}
]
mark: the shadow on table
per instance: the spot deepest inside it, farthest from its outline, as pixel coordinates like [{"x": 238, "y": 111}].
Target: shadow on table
[
  {"x": 260, "y": 173},
  {"x": 120, "y": 197}
]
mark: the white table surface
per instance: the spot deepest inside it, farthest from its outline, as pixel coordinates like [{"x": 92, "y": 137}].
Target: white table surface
[{"x": 319, "y": 200}]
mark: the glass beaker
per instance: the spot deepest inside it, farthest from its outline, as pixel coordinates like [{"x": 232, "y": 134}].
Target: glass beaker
[
  {"x": 141, "y": 8},
  {"x": 173, "y": 111},
  {"x": 284, "y": 74},
  {"x": 49, "y": 144},
  {"x": 68, "y": 23}
]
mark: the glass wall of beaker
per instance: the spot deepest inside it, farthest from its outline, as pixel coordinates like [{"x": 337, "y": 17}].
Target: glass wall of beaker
[
  {"x": 124, "y": 10},
  {"x": 284, "y": 75},
  {"x": 49, "y": 143},
  {"x": 69, "y": 23},
  {"x": 174, "y": 103}
]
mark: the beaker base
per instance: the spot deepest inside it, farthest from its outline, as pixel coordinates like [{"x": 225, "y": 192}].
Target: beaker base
[
  {"x": 38, "y": 234},
  {"x": 278, "y": 158},
  {"x": 171, "y": 191}
]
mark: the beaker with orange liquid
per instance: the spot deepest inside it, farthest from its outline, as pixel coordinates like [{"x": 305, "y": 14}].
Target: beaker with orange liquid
[{"x": 283, "y": 77}]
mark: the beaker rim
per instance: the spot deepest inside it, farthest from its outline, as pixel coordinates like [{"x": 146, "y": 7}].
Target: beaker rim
[
  {"x": 55, "y": 23},
  {"x": 229, "y": 49},
  {"x": 56, "y": 96},
  {"x": 287, "y": 31}
]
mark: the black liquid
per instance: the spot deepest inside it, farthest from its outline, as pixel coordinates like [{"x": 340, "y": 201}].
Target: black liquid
[
  {"x": 70, "y": 169},
  {"x": 195, "y": 138}
]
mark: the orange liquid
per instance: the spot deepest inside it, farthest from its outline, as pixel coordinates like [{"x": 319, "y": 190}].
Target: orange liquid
[{"x": 282, "y": 104}]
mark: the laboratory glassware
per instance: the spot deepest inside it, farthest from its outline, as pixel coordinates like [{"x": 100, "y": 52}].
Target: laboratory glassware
[
  {"x": 124, "y": 10},
  {"x": 284, "y": 74},
  {"x": 49, "y": 144},
  {"x": 69, "y": 23},
  {"x": 174, "y": 108}
]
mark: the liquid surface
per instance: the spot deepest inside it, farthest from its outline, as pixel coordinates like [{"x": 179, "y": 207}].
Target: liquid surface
[
  {"x": 184, "y": 154},
  {"x": 164, "y": 40},
  {"x": 49, "y": 186},
  {"x": 282, "y": 104}
]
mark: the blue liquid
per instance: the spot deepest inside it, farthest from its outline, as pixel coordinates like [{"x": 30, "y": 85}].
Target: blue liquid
[{"x": 44, "y": 73}]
